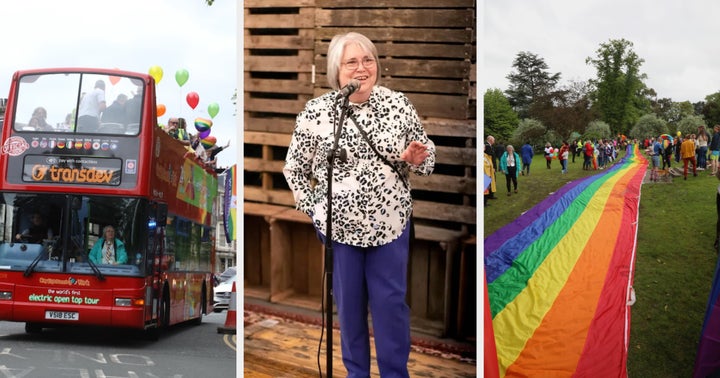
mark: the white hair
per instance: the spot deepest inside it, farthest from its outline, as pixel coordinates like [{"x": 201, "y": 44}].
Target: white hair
[
  {"x": 335, "y": 52},
  {"x": 107, "y": 228}
]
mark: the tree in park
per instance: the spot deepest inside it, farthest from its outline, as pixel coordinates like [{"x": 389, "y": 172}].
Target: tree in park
[
  {"x": 499, "y": 118},
  {"x": 566, "y": 110},
  {"x": 689, "y": 125},
  {"x": 529, "y": 81},
  {"x": 530, "y": 130},
  {"x": 597, "y": 130},
  {"x": 672, "y": 112},
  {"x": 619, "y": 89},
  {"x": 699, "y": 107},
  {"x": 711, "y": 109},
  {"x": 648, "y": 126}
]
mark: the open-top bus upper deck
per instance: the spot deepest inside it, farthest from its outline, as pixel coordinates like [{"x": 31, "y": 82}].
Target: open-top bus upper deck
[
  {"x": 82, "y": 165},
  {"x": 57, "y": 139}
]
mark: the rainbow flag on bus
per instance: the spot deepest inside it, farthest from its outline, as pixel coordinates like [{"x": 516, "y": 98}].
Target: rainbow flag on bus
[
  {"x": 230, "y": 203},
  {"x": 560, "y": 278}
]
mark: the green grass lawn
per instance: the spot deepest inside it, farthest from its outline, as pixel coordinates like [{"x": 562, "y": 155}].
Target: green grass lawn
[{"x": 674, "y": 266}]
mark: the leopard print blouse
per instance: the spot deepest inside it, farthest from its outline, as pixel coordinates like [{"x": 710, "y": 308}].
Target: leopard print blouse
[{"x": 371, "y": 205}]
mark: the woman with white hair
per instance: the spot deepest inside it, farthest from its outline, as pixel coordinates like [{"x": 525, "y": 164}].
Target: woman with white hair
[
  {"x": 108, "y": 249},
  {"x": 381, "y": 141},
  {"x": 511, "y": 165}
]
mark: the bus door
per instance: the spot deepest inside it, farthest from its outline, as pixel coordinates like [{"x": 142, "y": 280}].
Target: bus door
[{"x": 157, "y": 218}]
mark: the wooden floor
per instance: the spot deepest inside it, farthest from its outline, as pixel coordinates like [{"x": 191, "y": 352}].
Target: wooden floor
[{"x": 274, "y": 347}]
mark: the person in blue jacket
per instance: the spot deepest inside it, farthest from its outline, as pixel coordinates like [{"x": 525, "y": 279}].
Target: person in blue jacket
[
  {"x": 108, "y": 249},
  {"x": 527, "y": 153}
]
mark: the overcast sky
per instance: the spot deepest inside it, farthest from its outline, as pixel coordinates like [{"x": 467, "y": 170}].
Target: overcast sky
[
  {"x": 134, "y": 35},
  {"x": 677, "y": 39}
]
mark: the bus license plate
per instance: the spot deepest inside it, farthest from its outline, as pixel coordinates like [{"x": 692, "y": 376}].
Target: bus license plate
[{"x": 62, "y": 315}]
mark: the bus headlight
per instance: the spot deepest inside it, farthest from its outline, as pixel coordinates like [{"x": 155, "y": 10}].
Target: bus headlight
[{"x": 6, "y": 295}]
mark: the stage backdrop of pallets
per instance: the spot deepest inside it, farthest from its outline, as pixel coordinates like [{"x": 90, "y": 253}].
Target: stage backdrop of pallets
[{"x": 427, "y": 51}]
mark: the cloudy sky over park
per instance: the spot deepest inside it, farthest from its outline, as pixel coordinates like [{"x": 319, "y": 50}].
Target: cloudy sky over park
[
  {"x": 135, "y": 35},
  {"x": 677, "y": 40}
]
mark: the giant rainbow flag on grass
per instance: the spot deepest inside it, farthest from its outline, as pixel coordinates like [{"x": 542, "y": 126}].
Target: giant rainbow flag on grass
[{"x": 560, "y": 277}]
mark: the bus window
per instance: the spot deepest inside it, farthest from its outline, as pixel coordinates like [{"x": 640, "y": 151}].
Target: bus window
[
  {"x": 116, "y": 227},
  {"x": 79, "y": 103},
  {"x": 187, "y": 244},
  {"x": 44, "y": 102},
  {"x": 31, "y": 226},
  {"x": 57, "y": 228}
]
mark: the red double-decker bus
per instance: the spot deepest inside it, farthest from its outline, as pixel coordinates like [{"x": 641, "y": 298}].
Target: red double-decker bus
[{"x": 72, "y": 169}]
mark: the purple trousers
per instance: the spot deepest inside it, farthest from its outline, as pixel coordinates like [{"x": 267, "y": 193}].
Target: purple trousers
[{"x": 373, "y": 278}]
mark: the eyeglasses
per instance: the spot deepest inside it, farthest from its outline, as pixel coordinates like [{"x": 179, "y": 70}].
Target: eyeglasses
[{"x": 353, "y": 64}]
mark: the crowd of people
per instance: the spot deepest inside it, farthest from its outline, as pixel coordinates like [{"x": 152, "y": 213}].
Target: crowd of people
[
  {"x": 177, "y": 128},
  {"x": 695, "y": 150},
  {"x": 502, "y": 158},
  {"x": 699, "y": 152}
]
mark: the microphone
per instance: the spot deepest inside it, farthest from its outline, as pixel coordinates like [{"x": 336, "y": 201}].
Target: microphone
[{"x": 349, "y": 89}]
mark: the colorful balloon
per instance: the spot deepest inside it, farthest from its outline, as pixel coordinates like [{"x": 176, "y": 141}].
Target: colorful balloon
[
  {"x": 208, "y": 142},
  {"x": 204, "y": 134},
  {"x": 203, "y": 124},
  {"x": 160, "y": 110},
  {"x": 157, "y": 73},
  {"x": 192, "y": 99},
  {"x": 213, "y": 109},
  {"x": 181, "y": 76}
]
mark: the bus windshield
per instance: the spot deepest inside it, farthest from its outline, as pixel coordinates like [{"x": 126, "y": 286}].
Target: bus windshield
[
  {"x": 74, "y": 234},
  {"x": 79, "y": 103}
]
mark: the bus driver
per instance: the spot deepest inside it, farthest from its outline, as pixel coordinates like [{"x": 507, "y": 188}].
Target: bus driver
[
  {"x": 108, "y": 249},
  {"x": 38, "y": 230}
]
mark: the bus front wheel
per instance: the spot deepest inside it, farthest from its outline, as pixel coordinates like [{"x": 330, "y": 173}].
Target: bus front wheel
[{"x": 33, "y": 327}]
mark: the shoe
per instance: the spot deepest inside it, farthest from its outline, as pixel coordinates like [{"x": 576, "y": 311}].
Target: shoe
[
  {"x": 685, "y": 178},
  {"x": 508, "y": 194},
  {"x": 493, "y": 198},
  {"x": 516, "y": 191}
]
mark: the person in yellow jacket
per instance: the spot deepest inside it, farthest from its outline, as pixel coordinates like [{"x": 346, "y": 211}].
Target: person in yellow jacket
[
  {"x": 687, "y": 153},
  {"x": 490, "y": 188}
]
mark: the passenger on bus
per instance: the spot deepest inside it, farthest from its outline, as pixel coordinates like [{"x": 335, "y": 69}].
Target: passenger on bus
[
  {"x": 133, "y": 107},
  {"x": 91, "y": 105},
  {"x": 108, "y": 249},
  {"x": 115, "y": 113},
  {"x": 67, "y": 125},
  {"x": 211, "y": 153},
  {"x": 38, "y": 121},
  {"x": 38, "y": 230},
  {"x": 177, "y": 129}
]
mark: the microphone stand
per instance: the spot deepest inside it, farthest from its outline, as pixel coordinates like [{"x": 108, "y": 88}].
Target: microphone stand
[{"x": 328, "y": 240}]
